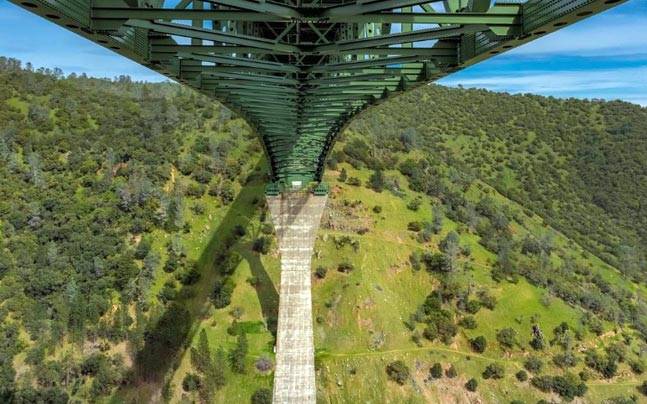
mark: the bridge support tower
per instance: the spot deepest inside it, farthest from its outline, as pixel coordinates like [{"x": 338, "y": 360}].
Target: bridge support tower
[{"x": 296, "y": 217}]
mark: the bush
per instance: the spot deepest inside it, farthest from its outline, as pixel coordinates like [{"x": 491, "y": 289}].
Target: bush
[
  {"x": 472, "y": 306},
  {"x": 543, "y": 383},
  {"x": 521, "y": 375},
  {"x": 262, "y": 245},
  {"x": 471, "y": 385},
  {"x": 414, "y": 205},
  {"x": 398, "y": 372},
  {"x": 478, "y": 344},
  {"x": 343, "y": 175},
  {"x": 345, "y": 267},
  {"x": 321, "y": 272},
  {"x": 437, "y": 262},
  {"x": 414, "y": 226},
  {"x": 643, "y": 388},
  {"x": 637, "y": 366},
  {"x": 377, "y": 209},
  {"x": 262, "y": 396},
  {"x": 486, "y": 299},
  {"x": 468, "y": 322},
  {"x": 507, "y": 337},
  {"x": 354, "y": 181},
  {"x": 451, "y": 372},
  {"x": 191, "y": 382},
  {"x": 436, "y": 371},
  {"x": 494, "y": 371},
  {"x": 533, "y": 364},
  {"x": 376, "y": 181},
  {"x": 222, "y": 293}
]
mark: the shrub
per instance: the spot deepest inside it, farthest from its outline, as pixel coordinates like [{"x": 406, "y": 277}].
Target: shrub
[
  {"x": 343, "y": 175},
  {"x": 521, "y": 375},
  {"x": 222, "y": 293},
  {"x": 472, "y": 306},
  {"x": 507, "y": 337},
  {"x": 414, "y": 205},
  {"x": 436, "y": 371},
  {"x": 354, "y": 181},
  {"x": 637, "y": 366},
  {"x": 451, "y": 372},
  {"x": 321, "y": 272},
  {"x": 377, "y": 209},
  {"x": 345, "y": 267},
  {"x": 437, "y": 262},
  {"x": 543, "y": 383},
  {"x": 191, "y": 382},
  {"x": 493, "y": 371},
  {"x": 398, "y": 372},
  {"x": 471, "y": 385},
  {"x": 414, "y": 226},
  {"x": 376, "y": 181},
  {"x": 533, "y": 364},
  {"x": 262, "y": 245},
  {"x": 643, "y": 388},
  {"x": 478, "y": 344},
  {"x": 468, "y": 322},
  {"x": 486, "y": 299}
]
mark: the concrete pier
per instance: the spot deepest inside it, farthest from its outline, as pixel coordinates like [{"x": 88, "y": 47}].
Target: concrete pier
[{"x": 296, "y": 218}]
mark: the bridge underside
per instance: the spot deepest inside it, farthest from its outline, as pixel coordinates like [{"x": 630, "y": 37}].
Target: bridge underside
[{"x": 299, "y": 70}]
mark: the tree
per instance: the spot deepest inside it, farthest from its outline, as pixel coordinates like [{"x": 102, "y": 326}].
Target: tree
[
  {"x": 436, "y": 371},
  {"x": 493, "y": 371},
  {"x": 521, "y": 375},
  {"x": 533, "y": 364},
  {"x": 507, "y": 338},
  {"x": 262, "y": 245},
  {"x": 398, "y": 372},
  {"x": 478, "y": 344},
  {"x": 201, "y": 357},
  {"x": 451, "y": 372},
  {"x": 238, "y": 355},
  {"x": 343, "y": 175},
  {"x": 471, "y": 385},
  {"x": 376, "y": 181},
  {"x": 321, "y": 272},
  {"x": 437, "y": 262}
]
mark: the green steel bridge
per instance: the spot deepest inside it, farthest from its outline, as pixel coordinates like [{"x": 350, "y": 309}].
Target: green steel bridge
[{"x": 299, "y": 70}]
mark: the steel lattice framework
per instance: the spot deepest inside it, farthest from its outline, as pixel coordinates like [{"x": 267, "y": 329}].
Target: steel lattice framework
[{"x": 299, "y": 70}]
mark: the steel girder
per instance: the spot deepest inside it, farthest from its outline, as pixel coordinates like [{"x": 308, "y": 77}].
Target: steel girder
[{"x": 299, "y": 70}]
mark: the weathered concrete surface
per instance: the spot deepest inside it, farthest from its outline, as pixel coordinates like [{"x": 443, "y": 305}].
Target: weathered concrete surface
[{"x": 296, "y": 218}]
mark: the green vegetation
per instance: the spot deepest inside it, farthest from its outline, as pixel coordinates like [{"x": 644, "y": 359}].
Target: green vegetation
[{"x": 481, "y": 255}]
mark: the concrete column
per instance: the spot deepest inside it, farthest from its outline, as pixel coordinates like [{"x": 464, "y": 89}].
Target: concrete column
[{"x": 296, "y": 218}]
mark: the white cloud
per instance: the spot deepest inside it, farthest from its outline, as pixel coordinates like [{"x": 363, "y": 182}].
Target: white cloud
[{"x": 623, "y": 83}]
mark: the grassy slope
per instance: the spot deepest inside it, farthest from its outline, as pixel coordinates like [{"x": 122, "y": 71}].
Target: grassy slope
[{"x": 359, "y": 317}]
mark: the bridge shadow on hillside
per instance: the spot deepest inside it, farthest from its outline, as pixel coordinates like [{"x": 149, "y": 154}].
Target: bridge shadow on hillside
[{"x": 168, "y": 339}]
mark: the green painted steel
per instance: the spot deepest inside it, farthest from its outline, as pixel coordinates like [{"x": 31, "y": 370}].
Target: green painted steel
[{"x": 299, "y": 70}]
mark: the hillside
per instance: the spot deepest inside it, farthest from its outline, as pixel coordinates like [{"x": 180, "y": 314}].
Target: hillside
[{"x": 137, "y": 261}]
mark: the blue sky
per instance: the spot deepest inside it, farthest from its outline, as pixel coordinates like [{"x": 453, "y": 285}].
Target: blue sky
[{"x": 602, "y": 57}]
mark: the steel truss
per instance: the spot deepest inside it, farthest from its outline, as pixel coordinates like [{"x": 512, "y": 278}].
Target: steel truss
[{"x": 299, "y": 70}]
